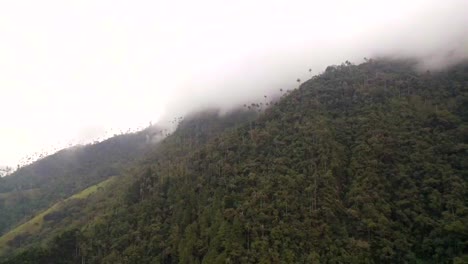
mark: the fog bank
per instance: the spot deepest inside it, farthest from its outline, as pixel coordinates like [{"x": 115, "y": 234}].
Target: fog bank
[{"x": 76, "y": 71}]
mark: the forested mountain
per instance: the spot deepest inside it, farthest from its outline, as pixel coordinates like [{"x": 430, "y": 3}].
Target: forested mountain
[
  {"x": 362, "y": 164},
  {"x": 66, "y": 189}
]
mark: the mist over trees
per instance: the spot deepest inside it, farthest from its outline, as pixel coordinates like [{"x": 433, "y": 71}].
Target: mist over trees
[
  {"x": 361, "y": 164},
  {"x": 123, "y": 65}
]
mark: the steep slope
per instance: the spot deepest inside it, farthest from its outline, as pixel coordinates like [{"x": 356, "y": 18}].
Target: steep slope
[
  {"x": 88, "y": 205},
  {"x": 362, "y": 164},
  {"x": 56, "y": 212},
  {"x": 37, "y": 186}
]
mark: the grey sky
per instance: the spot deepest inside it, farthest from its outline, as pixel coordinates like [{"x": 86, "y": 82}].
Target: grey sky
[{"x": 71, "y": 70}]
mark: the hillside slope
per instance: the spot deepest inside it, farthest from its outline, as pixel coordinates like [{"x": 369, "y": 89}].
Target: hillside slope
[
  {"x": 89, "y": 204},
  {"x": 362, "y": 164},
  {"x": 41, "y": 184},
  {"x": 17, "y": 236}
]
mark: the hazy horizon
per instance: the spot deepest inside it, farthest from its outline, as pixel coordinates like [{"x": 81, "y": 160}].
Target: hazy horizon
[{"x": 70, "y": 71}]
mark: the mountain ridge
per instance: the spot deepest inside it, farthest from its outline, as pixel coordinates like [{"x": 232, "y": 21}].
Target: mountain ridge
[{"x": 363, "y": 163}]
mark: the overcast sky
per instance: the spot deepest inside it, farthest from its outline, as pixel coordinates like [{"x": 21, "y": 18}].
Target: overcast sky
[{"x": 71, "y": 70}]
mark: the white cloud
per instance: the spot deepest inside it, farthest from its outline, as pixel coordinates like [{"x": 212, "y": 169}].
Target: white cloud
[{"x": 70, "y": 70}]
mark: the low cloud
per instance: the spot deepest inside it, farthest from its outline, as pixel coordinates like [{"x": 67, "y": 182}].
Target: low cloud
[{"x": 77, "y": 71}]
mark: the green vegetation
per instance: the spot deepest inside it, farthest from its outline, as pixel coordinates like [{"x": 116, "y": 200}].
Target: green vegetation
[
  {"x": 30, "y": 227},
  {"x": 88, "y": 191},
  {"x": 15, "y": 237},
  {"x": 38, "y": 186},
  {"x": 362, "y": 164}
]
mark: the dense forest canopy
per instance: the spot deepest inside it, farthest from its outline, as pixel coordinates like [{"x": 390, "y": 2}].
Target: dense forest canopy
[{"x": 361, "y": 164}]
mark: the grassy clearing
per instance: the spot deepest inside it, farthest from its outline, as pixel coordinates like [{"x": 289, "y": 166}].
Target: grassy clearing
[
  {"x": 90, "y": 190},
  {"x": 35, "y": 224}
]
